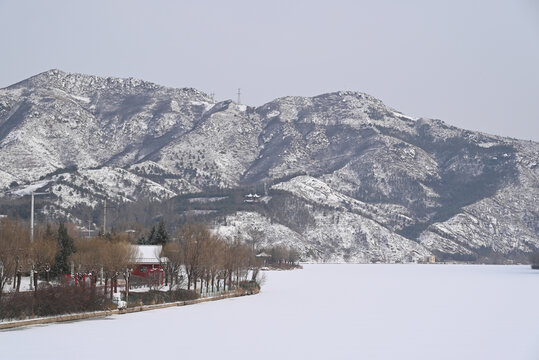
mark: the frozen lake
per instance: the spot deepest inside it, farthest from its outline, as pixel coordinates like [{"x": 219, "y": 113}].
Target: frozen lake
[{"x": 322, "y": 312}]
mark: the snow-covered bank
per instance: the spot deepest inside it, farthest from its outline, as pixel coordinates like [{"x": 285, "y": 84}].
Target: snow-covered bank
[
  {"x": 369, "y": 312},
  {"x": 95, "y": 314}
]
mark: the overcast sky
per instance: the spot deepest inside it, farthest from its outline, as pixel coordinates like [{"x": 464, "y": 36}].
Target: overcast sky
[{"x": 473, "y": 64}]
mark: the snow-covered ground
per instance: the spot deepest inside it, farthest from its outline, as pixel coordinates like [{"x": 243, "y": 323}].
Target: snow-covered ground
[{"x": 370, "y": 312}]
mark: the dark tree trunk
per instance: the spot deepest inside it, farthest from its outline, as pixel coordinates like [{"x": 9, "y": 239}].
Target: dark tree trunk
[
  {"x": 127, "y": 287},
  {"x": 18, "y": 281}
]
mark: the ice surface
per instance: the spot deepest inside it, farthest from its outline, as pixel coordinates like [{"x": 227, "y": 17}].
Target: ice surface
[{"x": 322, "y": 312}]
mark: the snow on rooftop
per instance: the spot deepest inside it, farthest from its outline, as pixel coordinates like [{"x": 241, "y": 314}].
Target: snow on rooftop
[{"x": 148, "y": 253}]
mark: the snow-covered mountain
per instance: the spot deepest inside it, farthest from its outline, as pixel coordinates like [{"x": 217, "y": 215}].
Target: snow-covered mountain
[{"x": 347, "y": 177}]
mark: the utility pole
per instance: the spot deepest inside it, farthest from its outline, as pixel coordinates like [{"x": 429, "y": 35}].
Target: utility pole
[
  {"x": 239, "y": 96},
  {"x": 105, "y": 218},
  {"x": 32, "y": 235}
]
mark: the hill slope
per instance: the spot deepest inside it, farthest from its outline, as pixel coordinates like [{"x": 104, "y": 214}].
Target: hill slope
[{"x": 348, "y": 178}]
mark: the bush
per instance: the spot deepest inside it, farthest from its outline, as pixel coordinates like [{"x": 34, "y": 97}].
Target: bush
[
  {"x": 250, "y": 286},
  {"x": 50, "y": 301},
  {"x": 160, "y": 297}
]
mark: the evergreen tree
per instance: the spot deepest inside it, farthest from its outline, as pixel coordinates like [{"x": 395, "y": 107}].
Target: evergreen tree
[
  {"x": 150, "y": 240},
  {"x": 157, "y": 236},
  {"x": 161, "y": 236},
  {"x": 66, "y": 247},
  {"x": 142, "y": 240}
]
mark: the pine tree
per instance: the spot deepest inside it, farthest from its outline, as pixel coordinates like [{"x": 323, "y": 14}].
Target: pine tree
[
  {"x": 150, "y": 240},
  {"x": 161, "y": 237},
  {"x": 142, "y": 240},
  {"x": 66, "y": 247}
]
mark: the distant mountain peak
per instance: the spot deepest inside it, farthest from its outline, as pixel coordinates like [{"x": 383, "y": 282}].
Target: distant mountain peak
[{"x": 79, "y": 84}]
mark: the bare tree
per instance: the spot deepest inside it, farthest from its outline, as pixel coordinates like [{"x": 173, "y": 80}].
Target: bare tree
[
  {"x": 215, "y": 260},
  {"x": 192, "y": 238},
  {"x": 14, "y": 245},
  {"x": 115, "y": 258},
  {"x": 211, "y": 259},
  {"x": 43, "y": 251},
  {"x": 90, "y": 255},
  {"x": 238, "y": 257},
  {"x": 172, "y": 252}
]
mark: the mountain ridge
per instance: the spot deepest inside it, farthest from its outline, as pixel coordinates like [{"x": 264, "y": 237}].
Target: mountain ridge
[{"x": 398, "y": 178}]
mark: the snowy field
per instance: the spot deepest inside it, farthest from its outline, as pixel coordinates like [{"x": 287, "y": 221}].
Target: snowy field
[{"x": 369, "y": 312}]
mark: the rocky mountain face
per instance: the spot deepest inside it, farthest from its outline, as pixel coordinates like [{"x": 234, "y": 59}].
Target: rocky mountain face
[{"x": 343, "y": 177}]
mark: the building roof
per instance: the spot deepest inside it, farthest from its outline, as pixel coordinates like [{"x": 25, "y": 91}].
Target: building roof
[{"x": 149, "y": 254}]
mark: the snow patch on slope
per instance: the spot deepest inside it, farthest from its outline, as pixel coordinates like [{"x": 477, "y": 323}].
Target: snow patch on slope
[{"x": 251, "y": 226}]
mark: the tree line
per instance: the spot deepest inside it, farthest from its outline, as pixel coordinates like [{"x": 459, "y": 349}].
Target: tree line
[
  {"x": 196, "y": 256},
  {"x": 208, "y": 259},
  {"x": 19, "y": 256}
]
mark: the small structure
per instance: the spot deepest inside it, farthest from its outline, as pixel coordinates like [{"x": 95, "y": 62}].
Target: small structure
[
  {"x": 148, "y": 260},
  {"x": 431, "y": 259},
  {"x": 263, "y": 258},
  {"x": 252, "y": 198}
]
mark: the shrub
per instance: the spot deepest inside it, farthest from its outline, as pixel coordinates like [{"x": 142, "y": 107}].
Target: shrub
[
  {"x": 250, "y": 286},
  {"x": 50, "y": 301},
  {"x": 159, "y": 297}
]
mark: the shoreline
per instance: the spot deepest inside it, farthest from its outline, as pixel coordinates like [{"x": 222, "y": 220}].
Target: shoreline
[{"x": 104, "y": 313}]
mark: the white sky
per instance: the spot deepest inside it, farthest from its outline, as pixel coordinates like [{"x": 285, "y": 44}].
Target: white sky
[{"x": 473, "y": 64}]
